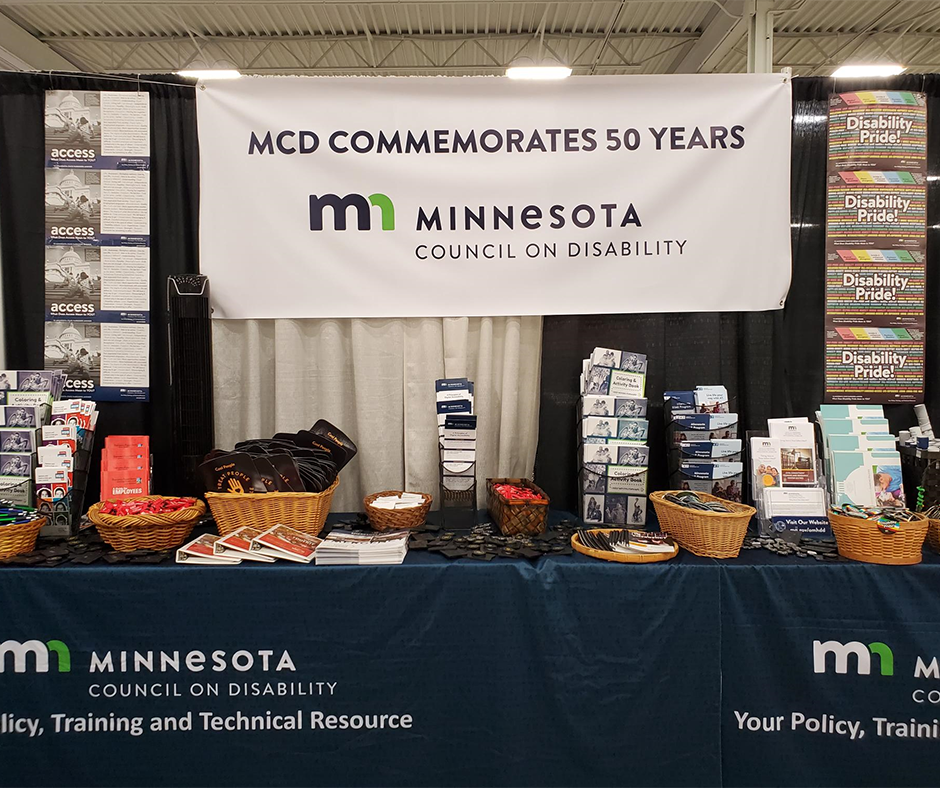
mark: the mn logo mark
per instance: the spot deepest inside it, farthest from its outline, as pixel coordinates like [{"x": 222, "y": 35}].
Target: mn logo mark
[
  {"x": 40, "y": 653},
  {"x": 362, "y": 207},
  {"x": 862, "y": 653}
]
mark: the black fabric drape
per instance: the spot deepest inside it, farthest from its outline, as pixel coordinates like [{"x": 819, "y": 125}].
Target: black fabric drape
[
  {"x": 174, "y": 195},
  {"x": 772, "y": 362}
]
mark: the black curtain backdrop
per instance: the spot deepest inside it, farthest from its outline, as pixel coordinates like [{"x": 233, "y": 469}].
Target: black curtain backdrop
[
  {"x": 174, "y": 193},
  {"x": 772, "y": 362}
]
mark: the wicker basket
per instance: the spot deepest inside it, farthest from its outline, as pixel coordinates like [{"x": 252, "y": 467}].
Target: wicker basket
[
  {"x": 933, "y": 535},
  {"x": 162, "y": 531},
  {"x": 862, "y": 540},
  {"x": 18, "y": 539},
  {"x": 396, "y": 519},
  {"x": 517, "y": 517},
  {"x": 301, "y": 511},
  {"x": 709, "y": 534},
  {"x": 620, "y": 558}
]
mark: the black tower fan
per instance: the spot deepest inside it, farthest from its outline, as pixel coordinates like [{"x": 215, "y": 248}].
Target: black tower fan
[{"x": 190, "y": 347}]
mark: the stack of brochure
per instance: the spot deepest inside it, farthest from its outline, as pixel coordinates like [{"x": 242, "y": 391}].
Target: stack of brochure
[
  {"x": 612, "y": 435},
  {"x": 703, "y": 442},
  {"x": 457, "y": 431},
  {"x": 360, "y": 548},
  {"x": 786, "y": 481},
  {"x": 862, "y": 461}
]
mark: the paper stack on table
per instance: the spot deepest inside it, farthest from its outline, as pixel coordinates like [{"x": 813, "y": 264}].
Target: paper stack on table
[
  {"x": 362, "y": 548},
  {"x": 403, "y": 500}
]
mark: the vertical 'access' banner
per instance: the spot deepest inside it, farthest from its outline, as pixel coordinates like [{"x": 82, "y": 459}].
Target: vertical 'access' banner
[{"x": 876, "y": 247}]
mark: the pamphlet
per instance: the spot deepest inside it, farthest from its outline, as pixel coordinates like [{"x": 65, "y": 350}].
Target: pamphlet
[{"x": 288, "y": 543}]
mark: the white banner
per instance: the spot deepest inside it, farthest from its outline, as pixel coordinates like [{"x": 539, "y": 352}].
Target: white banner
[{"x": 443, "y": 196}]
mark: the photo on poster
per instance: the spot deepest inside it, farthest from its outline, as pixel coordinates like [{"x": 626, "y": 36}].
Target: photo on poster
[
  {"x": 73, "y": 207},
  {"x": 73, "y": 282},
  {"x": 76, "y": 350},
  {"x": 72, "y": 128}
]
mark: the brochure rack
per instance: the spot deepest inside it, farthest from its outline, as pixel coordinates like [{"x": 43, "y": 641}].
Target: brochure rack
[{"x": 64, "y": 514}]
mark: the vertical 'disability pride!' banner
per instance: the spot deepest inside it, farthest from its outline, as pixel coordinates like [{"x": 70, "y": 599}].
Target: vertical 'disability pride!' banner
[{"x": 876, "y": 247}]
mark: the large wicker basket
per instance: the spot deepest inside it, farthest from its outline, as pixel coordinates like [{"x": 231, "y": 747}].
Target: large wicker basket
[
  {"x": 933, "y": 535},
  {"x": 517, "y": 517},
  {"x": 709, "y": 534},
  {"x": 862, "y": 540},
  {"x": 18, "y": 539},
  {"x": 162, "y": 531},
  {"x": 301, "y": 511},
  {"x": 396, "y": 519}
]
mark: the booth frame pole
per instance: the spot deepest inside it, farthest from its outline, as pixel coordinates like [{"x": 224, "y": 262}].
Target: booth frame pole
[{"x": 760, "y": 37}]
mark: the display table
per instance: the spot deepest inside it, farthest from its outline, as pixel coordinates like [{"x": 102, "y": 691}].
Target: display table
[{"x": 567, "y": 671}]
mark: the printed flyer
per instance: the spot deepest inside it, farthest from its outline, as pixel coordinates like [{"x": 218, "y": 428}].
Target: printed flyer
[
  {"x": 97, "y": 235},
  {"x": 876, "y": 247}
]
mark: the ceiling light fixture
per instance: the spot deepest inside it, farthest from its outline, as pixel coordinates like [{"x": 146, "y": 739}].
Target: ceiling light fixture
[
  {"x": 211, "y": 73},
  {"x": 872, "y": 70},
  {"x": 538, "y": 72}
]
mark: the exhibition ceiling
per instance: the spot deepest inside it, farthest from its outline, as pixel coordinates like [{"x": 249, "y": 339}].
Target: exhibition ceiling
[{"x": 448, "y": 37}]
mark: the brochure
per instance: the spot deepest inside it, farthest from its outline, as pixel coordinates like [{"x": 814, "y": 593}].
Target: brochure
[{"x": 288, "y": 543}]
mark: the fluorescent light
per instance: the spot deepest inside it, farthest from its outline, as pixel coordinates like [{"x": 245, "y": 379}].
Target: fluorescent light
[
  {"x": 211, "y": 73},
  {"x": 873, "y": 70},
  {"x": 538, "y": 72}
]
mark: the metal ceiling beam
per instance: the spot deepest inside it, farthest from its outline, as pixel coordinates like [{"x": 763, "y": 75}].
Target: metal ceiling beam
[
  {"x": 27, "y": 53},
  {"x": 722, "y": 31},
  {"x": 375, "y": 37}
]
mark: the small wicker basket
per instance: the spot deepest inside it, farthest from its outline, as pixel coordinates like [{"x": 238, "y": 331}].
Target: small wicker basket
[
  {"x": 301, "y": 511},
  {"x": 517, "y": 517},
  {"x": 620, "y": 558},
  {"x": 162, "y": 531},
  {"x": 396, "y": 519},
  {"x": 709, "y": 534},
  {"x": 18, "y": 539},
  {"x": 933, "y": 535},
  {"x": 861, "y": 540}
]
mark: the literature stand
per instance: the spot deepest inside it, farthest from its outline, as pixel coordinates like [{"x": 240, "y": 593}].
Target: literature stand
[
  {"x": 458, "y": 493},
  {"x": 63, "y": 515}
]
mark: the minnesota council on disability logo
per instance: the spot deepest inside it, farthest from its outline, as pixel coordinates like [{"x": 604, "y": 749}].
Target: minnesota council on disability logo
[{"x": 873, "y": 661}]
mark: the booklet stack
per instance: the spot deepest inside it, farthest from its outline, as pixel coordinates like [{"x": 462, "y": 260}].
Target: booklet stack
[
  {"x": 786, "y": 480},
  {"x": 862, "y": 461},
  {"x": 613, "y": 454},
  {"x": 125, "y": 467},
  {"x": 359, "y": 548},
  {"x": 702, "y": 437}
]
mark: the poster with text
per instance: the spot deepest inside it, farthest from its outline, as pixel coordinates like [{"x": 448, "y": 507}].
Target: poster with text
[
  {"x": 97, "y": 235},
  {"x": 876, "y": 212}
]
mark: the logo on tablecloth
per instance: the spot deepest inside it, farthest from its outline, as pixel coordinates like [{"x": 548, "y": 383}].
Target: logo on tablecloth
[{"x": 862, "y": 653}]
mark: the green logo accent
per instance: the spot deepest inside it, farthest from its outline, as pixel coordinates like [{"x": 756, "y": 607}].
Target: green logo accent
[
  {"x": 886, "y": 657},
  {"x": 63, "y": 655},
  {"x": 388, "y": 210}
]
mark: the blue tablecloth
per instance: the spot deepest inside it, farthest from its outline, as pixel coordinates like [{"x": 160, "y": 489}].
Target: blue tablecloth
[{"x": 567, "y": 671}]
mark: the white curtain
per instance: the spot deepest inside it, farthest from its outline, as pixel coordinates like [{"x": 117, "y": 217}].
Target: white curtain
[{"x": 374, "y": 379}]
